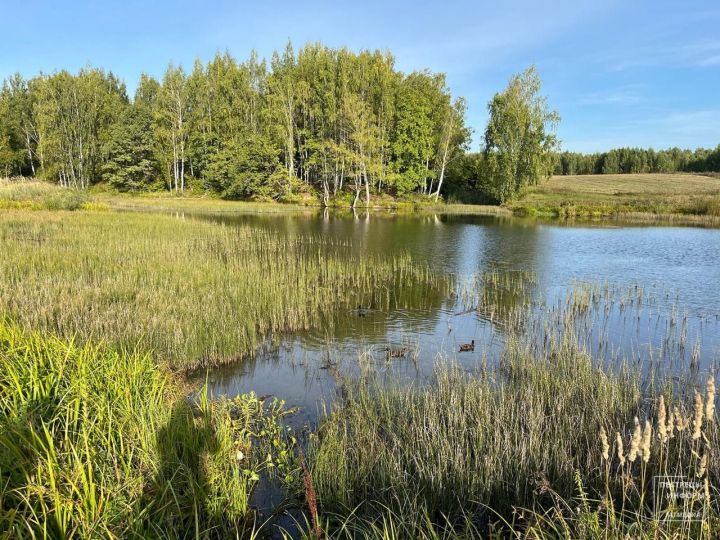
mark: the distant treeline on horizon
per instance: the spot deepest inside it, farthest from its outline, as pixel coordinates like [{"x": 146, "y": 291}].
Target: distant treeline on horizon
[{"x": 638, "y": 160}]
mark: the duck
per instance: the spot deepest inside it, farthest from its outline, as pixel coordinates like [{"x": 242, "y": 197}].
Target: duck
[
  {"x": 361, "y": 311},
  {"x": 468, "y": 347},
  {"x": 396, "y": 353}
]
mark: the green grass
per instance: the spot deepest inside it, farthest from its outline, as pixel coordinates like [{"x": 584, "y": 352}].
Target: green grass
[
  {"x": 96, "y": 443},
  {"x": 23, "y": 194},
  {"x": 695, "y": 197},
  {"x": 193, "y": 293}
]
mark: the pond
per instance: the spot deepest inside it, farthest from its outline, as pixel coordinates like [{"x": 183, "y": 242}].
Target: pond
[{"x": 654, "y": 299}]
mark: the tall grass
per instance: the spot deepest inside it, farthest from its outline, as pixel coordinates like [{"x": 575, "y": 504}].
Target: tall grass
[
  {"x": 21, "y": 194},
  {"x": 526, "y": 448},
  {"x": 194, "y": 293},
  {"x": 96, "y": 444}
]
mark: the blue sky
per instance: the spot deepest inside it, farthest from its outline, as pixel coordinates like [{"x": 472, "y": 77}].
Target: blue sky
[{"x": 633, "y": 72}]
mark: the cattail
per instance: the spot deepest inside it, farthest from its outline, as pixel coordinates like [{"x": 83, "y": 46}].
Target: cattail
[
  {"x": 710, "y": 399},
  {"x": 698, "y": 419},
  {"x": 605, "y": 445},
  {"x": 707, "y": 490},
  {"x": 670, "y": 429},
  {"x": 635, "y": 441},
  {"x": 703, "y": 466},
  {"x": 646, "y": 440},
  {"x": 681, "y": 423},
  {"x": 662, "y": 419},
  {"x": 620, "y": 449}
]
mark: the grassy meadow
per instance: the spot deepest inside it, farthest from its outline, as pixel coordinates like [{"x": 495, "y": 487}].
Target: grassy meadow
[{"x": 682, "y": 196}]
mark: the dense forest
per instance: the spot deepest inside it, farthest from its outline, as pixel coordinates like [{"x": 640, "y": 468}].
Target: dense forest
[
  {"x": 324, "y": 120},
  {"x": 332, "y": 123},
  {"x": 639, "y": 160}
]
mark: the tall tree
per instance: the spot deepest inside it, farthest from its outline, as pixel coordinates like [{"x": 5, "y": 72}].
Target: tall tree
[
  {"x": 520, "y": 138},
  {"x": 129, "y": 151},
  {"x": 452, "y": 138},
  {"x": 171, "y": 119},
  {"x": 74, "y": 114}
]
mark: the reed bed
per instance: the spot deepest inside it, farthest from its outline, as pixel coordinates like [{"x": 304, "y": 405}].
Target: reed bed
[
  {"x": 528, "y": 448},
  {"x": 96, "y": 443},
  {"x": 193, "y": 293}
]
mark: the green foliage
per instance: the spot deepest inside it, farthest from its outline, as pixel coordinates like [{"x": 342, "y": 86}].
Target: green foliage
[
  {"x": 130, "y": 164},
  {"x": 519, "y": 139},
  {"x": 95, "y": 444},
  {"x": 413, "y": 141},
  {"x": 74, "y": 114},
  {"x": 36, "y": 195},
  {"x": 247, "y": 170},
  {"x": 639, "y": 160},
  {"x": 337, "y": 122}
]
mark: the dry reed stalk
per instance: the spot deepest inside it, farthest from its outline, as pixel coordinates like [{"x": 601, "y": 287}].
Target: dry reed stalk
[
  {"x": 698, "y": 418},
  {"x": 710, "y": 399},
  {"x": 310, "y": 496},
  {"x": 620, "y": 449},
  {"x": 662, "y": 421},
  {"x": 635, "y": 442},
  {"x": 646, "y": 440},
  {"x": 605, "y": 445}
]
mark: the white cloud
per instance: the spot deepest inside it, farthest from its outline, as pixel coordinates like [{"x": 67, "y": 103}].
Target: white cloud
[{"x": 631, "y": 94}]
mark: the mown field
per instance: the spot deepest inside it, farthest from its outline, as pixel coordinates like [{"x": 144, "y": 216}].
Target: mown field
[{"x": 653, "y": 195}]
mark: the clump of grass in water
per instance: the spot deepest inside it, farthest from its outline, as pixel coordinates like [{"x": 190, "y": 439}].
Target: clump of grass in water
[
  {"x": 194, "y": 293},
  {"x": 465, "y": 453},
  {"x": 96, "y": 444}
]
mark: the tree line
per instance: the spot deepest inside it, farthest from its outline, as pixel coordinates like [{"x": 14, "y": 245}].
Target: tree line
[
  {"x": 638, "y": 160},
  {"x": 339, "y": 122}
]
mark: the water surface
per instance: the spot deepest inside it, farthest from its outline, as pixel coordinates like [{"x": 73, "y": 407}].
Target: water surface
[{"x": 658, "y": 288}]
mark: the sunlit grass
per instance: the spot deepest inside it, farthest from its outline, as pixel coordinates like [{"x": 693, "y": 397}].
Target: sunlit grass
[
  {"x": 192, "y": 292},
  {"x": 517, "y": 448},
  {"x": 625, "y": 195},
  {"x": 96, "y": 443}
]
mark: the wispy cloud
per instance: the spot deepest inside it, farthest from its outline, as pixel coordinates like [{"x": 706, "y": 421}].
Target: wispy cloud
[
  {"x": 631, "y": 94},
  {"x": 703, "y": 123},
  {"x": 704, "y": 53}
]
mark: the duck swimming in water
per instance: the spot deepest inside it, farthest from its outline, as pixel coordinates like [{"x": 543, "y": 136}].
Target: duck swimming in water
[
  {"x": 396, "y": 353},
  {"x": 468, "y": 347}
]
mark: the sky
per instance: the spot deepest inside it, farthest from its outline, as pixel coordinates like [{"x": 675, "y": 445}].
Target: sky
[{"x": 620, "y": 73}]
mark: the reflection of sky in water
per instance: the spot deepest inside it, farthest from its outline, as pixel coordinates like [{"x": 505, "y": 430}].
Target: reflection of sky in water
[{"x": 675, "y": 266}]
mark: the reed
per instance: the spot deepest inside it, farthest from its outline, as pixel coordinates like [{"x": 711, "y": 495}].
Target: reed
[
  {"x": 194, "y": 293},
  {"x": 22, "y": 194},
  {"x": 520, "y": 449}
]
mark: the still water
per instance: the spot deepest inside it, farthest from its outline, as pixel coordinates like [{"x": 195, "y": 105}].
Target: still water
[{"x": 659, "y": 291}]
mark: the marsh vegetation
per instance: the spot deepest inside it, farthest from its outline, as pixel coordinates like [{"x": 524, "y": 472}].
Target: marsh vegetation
[{"x": 533, "y": 433}]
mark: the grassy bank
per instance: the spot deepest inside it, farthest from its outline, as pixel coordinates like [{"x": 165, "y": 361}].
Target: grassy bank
[
  {"x": 28, "y": 194},
  {"x": 663, "y": 195},
  {"x": 193, "y": 293},
  {"x": 96, "y": 443},
  {"x": 31, "y": 195}
]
